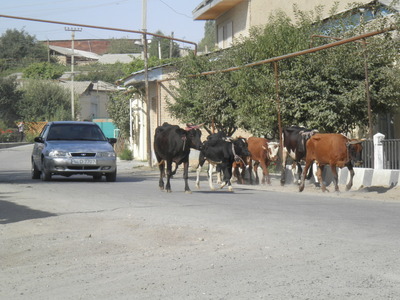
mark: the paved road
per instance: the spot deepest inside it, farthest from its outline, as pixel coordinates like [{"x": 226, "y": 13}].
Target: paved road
[{"x": 73, "y": 238}]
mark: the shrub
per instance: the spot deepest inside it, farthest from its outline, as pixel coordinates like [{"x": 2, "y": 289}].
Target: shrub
[{"x": 126, "y": 154}]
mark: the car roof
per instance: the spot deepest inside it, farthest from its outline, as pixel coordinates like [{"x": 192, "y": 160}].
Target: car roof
[{"x": 71, "y": 122}]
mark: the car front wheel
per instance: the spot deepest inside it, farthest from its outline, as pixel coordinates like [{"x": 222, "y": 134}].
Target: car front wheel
[
  {"x": 111, "y": 177},
  {"x": 46, "y": 175},
  {"x": 35, "y": 172}
]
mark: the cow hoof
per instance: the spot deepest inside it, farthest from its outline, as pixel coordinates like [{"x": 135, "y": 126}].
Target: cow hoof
[
  {"x": 188, "y": 192},
  {"x": 230, "y": 189},
  {"x": 168, "y": 191},
  {"x": 301, "y": 188}
]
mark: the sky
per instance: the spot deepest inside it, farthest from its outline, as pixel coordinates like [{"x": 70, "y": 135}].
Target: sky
[{"x": 162, "y": 15}]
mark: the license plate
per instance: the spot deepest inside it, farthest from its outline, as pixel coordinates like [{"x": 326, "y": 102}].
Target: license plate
[{"x": 83, "y": 161}]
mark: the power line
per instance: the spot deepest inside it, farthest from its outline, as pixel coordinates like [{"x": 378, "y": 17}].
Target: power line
[{"x": 174, "y": 10}]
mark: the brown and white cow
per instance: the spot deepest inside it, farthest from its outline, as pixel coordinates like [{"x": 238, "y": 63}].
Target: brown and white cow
[
  {"x": 335, "y": 150},
  {"x": 262, "y": 153}
]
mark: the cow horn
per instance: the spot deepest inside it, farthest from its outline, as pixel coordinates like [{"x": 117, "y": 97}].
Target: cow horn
[
  {"x": 354, "y": 142},
  {"x": 191, "y": 126}
]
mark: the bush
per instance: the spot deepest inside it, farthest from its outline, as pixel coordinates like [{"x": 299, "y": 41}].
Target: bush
[
  {"x": 126, "y": 154},
  {"x": 9, "y": 135}
]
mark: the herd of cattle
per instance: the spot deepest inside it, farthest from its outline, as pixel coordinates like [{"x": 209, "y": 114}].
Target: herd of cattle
[{"x": 229, "y": 156}]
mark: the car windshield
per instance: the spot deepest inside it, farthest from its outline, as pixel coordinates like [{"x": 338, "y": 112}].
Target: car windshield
[{"x": 80, "y": 132}]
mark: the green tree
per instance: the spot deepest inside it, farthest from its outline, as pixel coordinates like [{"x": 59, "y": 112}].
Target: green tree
[
  {"x": 105, "y": 72},
  {"x": 10, "y": 97},
  {"x": 44, "y": 70},
  {"x": 118, "y": 109},
  {"x": 209, "y": 41},
  {"x": 18, "y": 48},
  {"x": 165, "y": 45},
  {"x": 45, "y": 101},
  {"x": 324, "y": 90},
  {"x": 124, "y": 45}
]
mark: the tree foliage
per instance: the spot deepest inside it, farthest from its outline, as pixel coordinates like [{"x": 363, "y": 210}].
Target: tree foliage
[
  {"x": 44, "y": 70},
  {"x": 45, "y": 101},
  {"x": 10, "y": 96},
  {"x": 323, "y": 90},
  {"x": 105, "y": 72},
  {"x": 208, "y": 42},
  {"x": 118, "y": 109},
  {"x": 124, "y": 45},
  {"x": 165, "y": 45},
  {"x": 18, "y": 48}
]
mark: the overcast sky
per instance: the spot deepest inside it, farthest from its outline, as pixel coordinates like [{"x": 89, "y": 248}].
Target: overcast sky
[{"x": 165, "y": 15}]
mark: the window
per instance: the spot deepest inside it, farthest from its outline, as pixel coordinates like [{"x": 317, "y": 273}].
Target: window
[{"x": 225, "y": 35}]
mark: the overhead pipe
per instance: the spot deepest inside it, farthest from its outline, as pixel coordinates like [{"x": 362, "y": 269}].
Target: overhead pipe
[{"x": 104, "y": 28}]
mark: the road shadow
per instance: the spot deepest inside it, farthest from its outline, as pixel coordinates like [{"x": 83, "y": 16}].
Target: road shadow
[
  {"x": 12, "y": 213},
  {"x": 377, "y": 189}
]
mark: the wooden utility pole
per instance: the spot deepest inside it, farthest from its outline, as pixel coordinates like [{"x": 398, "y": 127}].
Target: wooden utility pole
[
  {"x": 72, "y": 68},
  {"x": 146, "y": 83}
]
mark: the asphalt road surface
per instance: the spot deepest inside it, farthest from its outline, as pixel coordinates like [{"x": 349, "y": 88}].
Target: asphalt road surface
[{"x": 73, "y": 238}]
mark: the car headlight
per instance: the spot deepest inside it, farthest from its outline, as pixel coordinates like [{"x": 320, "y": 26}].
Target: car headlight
[
  {"x": 106, "y": 154},
  {"x": 58, "y": 153}
]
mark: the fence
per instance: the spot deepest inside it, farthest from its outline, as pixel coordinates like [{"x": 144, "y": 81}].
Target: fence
[
  {"x": 391, "y": 154},
  {"x": 368, "y": 153}
]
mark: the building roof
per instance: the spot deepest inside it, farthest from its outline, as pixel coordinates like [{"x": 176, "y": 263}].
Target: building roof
[
  {"x": 81, "y": 87},
  {"x": 79, "y": 53},
  {"x": 154, "y": 74},
  {"x": 114, "y": 58},
  {"x": 212, "y": 9}
]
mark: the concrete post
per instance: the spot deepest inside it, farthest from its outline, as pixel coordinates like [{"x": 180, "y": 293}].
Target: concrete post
[{"x": 378, "y": 151}]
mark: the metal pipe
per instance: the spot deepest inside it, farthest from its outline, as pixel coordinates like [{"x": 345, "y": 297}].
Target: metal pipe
[{"x": 104, "y": 28}]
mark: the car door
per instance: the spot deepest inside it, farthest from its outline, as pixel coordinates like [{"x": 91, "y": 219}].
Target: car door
[{"x": 39, "y": 146}]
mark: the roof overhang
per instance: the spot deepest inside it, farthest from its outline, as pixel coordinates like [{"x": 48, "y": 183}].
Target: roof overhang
[{"x": 212, "y": 9}]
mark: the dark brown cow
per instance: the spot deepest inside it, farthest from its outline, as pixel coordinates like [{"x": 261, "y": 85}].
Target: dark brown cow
[
  {"x": 172, "y": 144},
  {"x": 262, "y": 153},
  {"x": 335, "y": 150}
]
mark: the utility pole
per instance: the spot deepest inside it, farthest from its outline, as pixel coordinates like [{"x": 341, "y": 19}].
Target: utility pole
[
  {"x": 171, "y": 45},
  {"x": 72, "y": 68},
  {"x": 146, "y": 81}
]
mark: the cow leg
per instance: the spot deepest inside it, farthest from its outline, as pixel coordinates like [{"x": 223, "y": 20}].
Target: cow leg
[
  {"x": 186, "y": 176},
  {"x": 350, "y": 184},
  {"x": 283, "y": 172},
  {"x": 303, "y": 175},
  {"x": 320, "y": 169},
  {"x": 210, "y": 171},
  {"x": 218, "y": 170},
  {"x": 161, "y": 166},
  {"x": 169, "y": 175},
  {"x": 255, "y": 167},
  {"x": 250, "y": 171},
  {"x": 335, "y": 177},
  {"x": 264, "y": 167},
  {"x": 299, "y": 172},
  {"x": 243, "y": 174},
  {"x": 198, "y": 170},
  {"x": 227, "y": 170}
]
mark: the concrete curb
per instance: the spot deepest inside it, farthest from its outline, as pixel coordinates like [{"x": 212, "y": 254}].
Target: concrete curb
[
  {"x": 363, "y": 177},
  {"x": 10, "y": 145}
]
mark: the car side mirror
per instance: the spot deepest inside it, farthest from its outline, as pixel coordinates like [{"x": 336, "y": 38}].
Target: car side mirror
[
  {"x": 38, "y": 139},
  {"x": 112, "y": 141}
]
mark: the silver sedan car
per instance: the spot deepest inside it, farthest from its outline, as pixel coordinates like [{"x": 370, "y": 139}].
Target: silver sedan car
[{"x": 70, "y": 147}]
